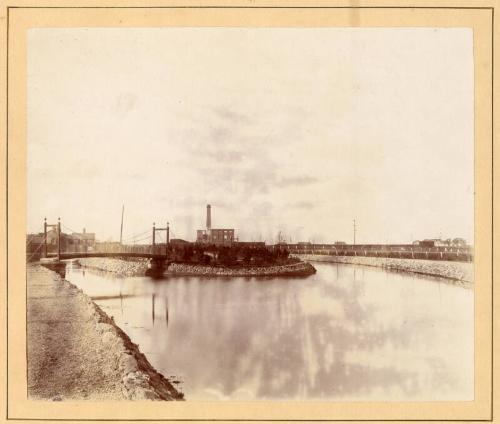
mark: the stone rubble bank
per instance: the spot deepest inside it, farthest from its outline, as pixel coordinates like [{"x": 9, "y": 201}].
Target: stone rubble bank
[
  {"x": 125, "y": 268},
  {"x": 132, "y": 268},
  {"x": 292, "y": 270},
  {"x": 75, "y": 351},
  {"x": 459, "y": 271}
]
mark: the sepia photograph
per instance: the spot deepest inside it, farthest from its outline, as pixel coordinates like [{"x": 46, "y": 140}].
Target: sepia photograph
[{"x": 232, "y": 213}]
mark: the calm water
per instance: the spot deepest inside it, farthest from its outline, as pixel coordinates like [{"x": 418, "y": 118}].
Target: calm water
[{"x": 347, "y": 332}]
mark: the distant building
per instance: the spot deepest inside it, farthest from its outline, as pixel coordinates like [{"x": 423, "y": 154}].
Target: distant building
[
  {"x": 67, "y": 242},
  {"x": 456, "y": 242},
  {"x": 76, "y": 242},
  {"x": 431, "y": 243},
  {"x": 83, "y": 241},
  {"x": 217, "y": 236}
]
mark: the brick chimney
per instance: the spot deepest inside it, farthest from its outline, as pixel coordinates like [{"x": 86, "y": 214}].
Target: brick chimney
[{"x": 209, "y": 219}]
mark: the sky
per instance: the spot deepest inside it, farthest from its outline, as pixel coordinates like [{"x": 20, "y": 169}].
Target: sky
[{"x": 291, "y": 130}]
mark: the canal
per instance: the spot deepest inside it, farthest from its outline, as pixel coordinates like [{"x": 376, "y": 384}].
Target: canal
[{"x": 346, "y": 333}]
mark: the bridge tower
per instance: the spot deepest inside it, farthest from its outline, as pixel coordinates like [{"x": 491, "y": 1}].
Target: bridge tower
[
  {"x": 57, "y": 228},
  {"x": 158, "y": 262}
]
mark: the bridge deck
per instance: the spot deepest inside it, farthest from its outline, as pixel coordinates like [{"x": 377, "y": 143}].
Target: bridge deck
[{"x": 76, "y": 255}]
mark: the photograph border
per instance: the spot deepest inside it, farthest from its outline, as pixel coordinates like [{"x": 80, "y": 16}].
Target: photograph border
[{"x": 7, "y": 183}]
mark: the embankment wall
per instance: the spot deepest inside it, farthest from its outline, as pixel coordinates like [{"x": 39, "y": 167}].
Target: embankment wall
[
  {"x": 291, "y": 270},
  {"x": 460, "y": 271},
  {"x": 131, "y": 268}
]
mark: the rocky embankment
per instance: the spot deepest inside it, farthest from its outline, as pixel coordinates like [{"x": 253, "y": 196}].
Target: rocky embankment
[
  {"x": 459, "y": 271},
  {"x": 299, "y": 269},
  {"x": 125, "y": 268},
  {"x": 75, "y": 351},
  {"x": 132, "y": 267}
]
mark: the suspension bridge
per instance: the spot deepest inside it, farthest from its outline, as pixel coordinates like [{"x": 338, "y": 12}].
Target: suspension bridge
[{"x": 154, "y": 245}]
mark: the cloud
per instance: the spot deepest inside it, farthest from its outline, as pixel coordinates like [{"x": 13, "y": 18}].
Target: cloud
[
  {"x": 219, "y": 134},
  {"x": 301, "y": 180},
  {"x": 230, "y": 115},
  {"x": 225, "y": 155},
  {"x": 302, "y": 205}
]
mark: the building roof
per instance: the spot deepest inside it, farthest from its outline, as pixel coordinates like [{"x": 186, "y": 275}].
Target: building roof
[{"x": 84, "y": 236}]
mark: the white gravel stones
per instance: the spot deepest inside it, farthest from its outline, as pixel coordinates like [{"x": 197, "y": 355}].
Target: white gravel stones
[
  {"x": 127, "y": 364},
  {"x": 460, "y": 271},
  {"x": 301, "y": 268},
  {"x": 117, "y": 266},
  {"x": 132, "y": 268}
]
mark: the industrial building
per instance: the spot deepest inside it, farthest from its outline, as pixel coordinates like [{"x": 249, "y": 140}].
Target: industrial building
[{"x": 217, "y": 236}]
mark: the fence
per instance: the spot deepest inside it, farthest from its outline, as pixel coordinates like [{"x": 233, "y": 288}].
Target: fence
[{"x": 440, "y": 253}]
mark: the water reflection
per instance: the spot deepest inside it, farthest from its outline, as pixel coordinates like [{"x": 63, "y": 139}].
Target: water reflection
[{"x": 346, "y": 332}]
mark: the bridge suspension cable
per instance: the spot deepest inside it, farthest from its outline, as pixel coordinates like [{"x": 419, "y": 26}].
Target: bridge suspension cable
[
  {"x": 135, "y": 236},
  {"x": 35, "y": 252},
  {"x": 70, "y": 229},
  {"x": 30, "y": 241},
  {"x": 143, "y": 239}
]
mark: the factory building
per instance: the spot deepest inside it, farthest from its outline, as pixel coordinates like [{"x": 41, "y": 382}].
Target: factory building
[{"x": 217, "y": 236}]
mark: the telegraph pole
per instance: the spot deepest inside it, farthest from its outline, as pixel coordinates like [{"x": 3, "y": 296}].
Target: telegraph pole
[
  {"x": 45, "y": 235},
  {"x": 168, "y": 240},
  {"x": 354, "y": 230},
  {"x": 58, "y": 239},
  {"x": 121, "y": 227}
]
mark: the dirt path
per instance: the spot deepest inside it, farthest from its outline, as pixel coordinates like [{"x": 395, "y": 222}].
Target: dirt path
[{"x": 76, "y": 352}]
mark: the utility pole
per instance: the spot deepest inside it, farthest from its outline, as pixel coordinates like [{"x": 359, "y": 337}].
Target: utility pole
[
  {"x": 354, "y": 231},
  {"x": 45, "y": 235},
  {"x": 58, "y": 239},
  {"x": 121, "y": 227},
  {"x": 168, "y": 240}
]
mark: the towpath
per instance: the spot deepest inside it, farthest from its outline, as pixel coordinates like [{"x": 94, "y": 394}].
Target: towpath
[{"x": 76, "y": 352}]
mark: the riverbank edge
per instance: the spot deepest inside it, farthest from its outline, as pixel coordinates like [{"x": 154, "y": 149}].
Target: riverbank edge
[
  {"x": 121, "y": 267},
  {"x": 414, "y": 266},
  {"x": 301, "y": 269},
  {"x": 127, "y": 268},
  {"x": 139, "y": 379}
]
